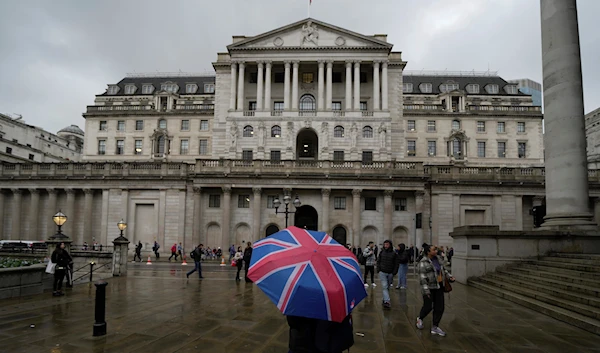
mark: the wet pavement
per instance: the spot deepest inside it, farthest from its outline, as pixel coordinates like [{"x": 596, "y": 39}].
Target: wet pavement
[{"x": 156, "y": 309}]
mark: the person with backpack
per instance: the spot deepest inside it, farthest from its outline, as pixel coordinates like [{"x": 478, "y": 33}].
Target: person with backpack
[
  {"x": 309, "y": 335},
  {"x": 155, "y": 248},
  {"x": 369, "y": 262},
  {"x": 197, "y": 256},
  {"x": 404, "y": 258},
  {"x": 138, "y": 252}
]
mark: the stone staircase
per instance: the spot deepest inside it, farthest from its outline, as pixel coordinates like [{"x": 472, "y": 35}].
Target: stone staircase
[{"x": 563, "y": 286}]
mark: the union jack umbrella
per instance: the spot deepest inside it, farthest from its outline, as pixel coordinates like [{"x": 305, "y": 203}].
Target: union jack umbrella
[{"x": 307, "y": 273}]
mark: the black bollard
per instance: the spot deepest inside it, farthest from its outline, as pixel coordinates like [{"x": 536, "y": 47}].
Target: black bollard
[
  {"x": 100, "y": 324},
  {"x": 91, "y": 270}
]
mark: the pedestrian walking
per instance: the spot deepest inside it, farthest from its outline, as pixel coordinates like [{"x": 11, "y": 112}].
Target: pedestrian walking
[
  {"x": 403, "y": 258},
  {"x": 155, "y": 248},
  {"x": 63, "y": 260},
  {"x": 238, "y": 257},
  {"x": 369, "y": 260},
  {"x": 247, "y": 258},
  {"x": 231, "y": 252},
  {"x": 450, "y": 254},
  {"x": 196, "y": 254},
  {"x": 387, "y": 265},
  {"x": 179, "y": 251},
  {"x": 173, "y": 252},
  {"x": 308, "y": 335},
  {"x": 138, "y": 251},
  {"x": 432, "y": 275}
]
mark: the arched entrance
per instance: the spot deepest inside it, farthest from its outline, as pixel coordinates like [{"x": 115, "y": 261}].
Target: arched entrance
[
  {"x": 307, "y": 145},
  {"x": 400, "y": 235},
  {"x": 339, "y": 235},
  {"x": 306, "y": 217},
  {"x": 272, "y": 229}
]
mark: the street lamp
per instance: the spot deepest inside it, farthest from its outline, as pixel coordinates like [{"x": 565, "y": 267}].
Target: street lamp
[
  {"x": 122, "y": 225},
  {"x": 286, "y": 201},
  {"x": 59, "y": 219}
]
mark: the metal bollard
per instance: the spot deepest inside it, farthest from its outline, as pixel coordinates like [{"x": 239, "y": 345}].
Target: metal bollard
[
  {"x": 91, "y": 269},
  {"x": 100, "y": 314}
]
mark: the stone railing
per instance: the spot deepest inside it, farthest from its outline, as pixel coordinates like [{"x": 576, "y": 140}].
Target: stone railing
[
  {"x": 111, "y": 108},
  {"x": 505, "y": 108},
  {"x": 423, "y": 107},
  {"x": 149, "y": 109}
]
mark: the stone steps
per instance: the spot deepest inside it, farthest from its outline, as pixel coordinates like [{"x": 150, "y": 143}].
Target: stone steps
[
  {"x": 572, "y": 260},
  {"x": 577, "y": 256},
  {"x": 567, "y": 266},
  {"x": 589, "y": 288},
  {"x": 558, "y": 270},
  {"x": 562, "y": 277}
]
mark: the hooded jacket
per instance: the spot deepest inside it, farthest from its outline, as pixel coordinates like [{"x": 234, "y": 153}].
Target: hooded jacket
[{"x": 388, "y": 261}]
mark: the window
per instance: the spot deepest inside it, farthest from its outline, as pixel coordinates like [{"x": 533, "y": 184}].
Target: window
[
  {"x": 276, "y": 156},
  {"x": 338, "y": 156},
  {"x": 248, "y": 131},
  {"x": 191, "y": 88},
  {"x": 9, "y": 150},
  {"x": 243, "y": 201},
  {"x": 185, "y": 125},
  {"x": 101, "y": 146},
  {"x": 425, "y": 87},
  {"x": 31, "y": 157},
  {"x": 431, "y": 126},
  {"x": 367, "y": 157},
  {"x": 336, "y": 106},
  {"x": 271, "y": 201},
  {"x": 214, "y": 201},
  {"x": 522, "y": 150},
  {"x": 407, "y": 87},
  {"x": 370, "y": 204},
  {"x": 431, "y": 148},
  {"x": 363, "y": 106},
  {"x": 455, "y": 125},
  {"x": 400, "y": 204},
  {"x": 307, "y": 77},
  {"x": 339, "y": 203},
  {"x": 411, "y": 146},
  {"x": 138, "y": 147},
  {"x": 120, "y": 125},
  {"x": 209, "y": 88},
  {"x": 492, "y": 89},
  {"x": 147, "y": 89},
  {"x": 204, "y": 125},
  {"x": 203, "y": 147},
  {"x": 411, "y": 125},
  {"x": 278, "y": 106},
  {"x": 448, "y": 87},
  {"x": 307, "y": 102},
  {"x": 247, "y": 155},
  {"x": 184, "y": 146},
  {"x": 279, "y": 77},
  {"x": 113, "y": 89},
  {"x": 473, "y": 88},
  {"x": 276, "y": 131},
  {"x": 501, "y": 149},
  {"x": 367, "y": 132},
  {"x": 520, "y": 126},
  {"x": 336, "y": 77},
  {"x": 481, "y": 126},
  {"x": 162, "y": 124},
  {"x": 457, "y": 148},
  {"x": 481, "y": 149},
  {"x": 120, "y": 146},
  {"x": 511, "y": 89},
  {"x": 501, "y": 127},
  {"x": 139, "y": 125},
  {"x": 103, "y": 125},
  {"x": 169, "y": 87},
  {"x": 130, "y": 89},
  {"x": 252, "y": 105},
  {"x": 338, "y": 131}
]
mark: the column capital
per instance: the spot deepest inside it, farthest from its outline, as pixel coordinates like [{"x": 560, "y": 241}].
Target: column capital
[
  {"x": 388, "y": 192},
  {"x": 329, "y": 63},
  {"x": 241, "y": 63},
  {"x": 197, "y": 190},
  {"x": 34, "y": 191},
  {"x": 356, "y": 192},
  {"x": 356, "y": 63},
  {"x": 260, "y": 63},
  {"x": 377, "y": 62},
  {"x": 287, "y": 191},
  {"x": 384, "y": 63},
  {"x": 326, "y": 191},
  {"x": 321, "y": 62},
  {"x": 226, "y": 189},
  {"x": 296, "y": 63},
  {"x": 51, "y": 191},
  {"x": 349, "y": 63},
  {"x": 287, "y": 64},
  {"x": 256, "y": 190},
  {"x": 70, "y": 191},
  {"x": 268, "y": 63},
  {"x": 16, "y": 191},
  {"x": 233, "y": 63},
  {"x": 87, "y": 191},
  {"x": 419, "y": 193}
]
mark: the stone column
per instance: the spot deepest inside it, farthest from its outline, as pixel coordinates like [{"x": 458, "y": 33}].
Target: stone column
[
  {"x": 356, "y": 217},
  {"x": 34, "y": 207},
  {"x": 2, "y": 215},
  {"x": 295, "y": 86},
  {"x": 321, "y": 85},
  {"x": 226, "y": 236},
  {"x": 329, "y": 86},
  {"x": 16, "y": 218},
  {"x": 268, "y": 105},
  {"x": 348, "y": 85},
  {"x": 325, "y": 212},
  {"x": 259, "y": 86},
  {"x": 384, "y": 85},
  {"x": 375, "y": 85},
  {"x": 241, "y": 84},
  {"x": 357, "y": 85},
  {"x": 70, "y": 213},
  {"x": 50, "y": 212},
  {"x": 387, "y": 215},
  {"x": 286, "y": 85},
  {"x": 567, "y": 193},
  {"x": 256, "y": 208},
  {"x": 119, "y": 260},
  {"x": 87, "y": 215},
  {"x": 419, "y": 198},
  {"x": 519, "y": 212},
  {"x": 197, "y": 236},
  {"x": 233, "y": 86}
]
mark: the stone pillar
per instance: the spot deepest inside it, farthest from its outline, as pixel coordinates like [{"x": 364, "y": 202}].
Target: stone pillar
[
  {"x": 50, "y": 212},
  {"x": 329, "y": 86},
  {"x": 70, "y": 213},
  {"x": 321, "y": 85},
  {"x": 197, "y": 236},
  {"x": 268, "y": 105},
  {"x": 384, "y": 85},
  {"x": 387, "y": 215},
  {"x": 567, "y": 193},
  {"x": 2, "y": 215},
  {"x": 295, "y": 86},
  {"x": 256, "y": 218},
  {"x": 357, "y": 85},
  {"x": 241, "y": 84},
  {"x": 226, "y": 236},
  {"x": 233, "y": 92},
  {"x": 286, "y": 85},
  {"x": 34, "y": 207},
  {"x": 259, "y": 86},
  {"x": 376, "y": 85},
  {"x": 325, "y": 212},
  {"x": 518, "y": 212},
  {"x": 497, "y": 207},
  {"x": 16, "y": 217},
  {"x": 119, "y": 260},
  {"x": 87, "y": 215},
  {"x": 356, "y": 217},
  {"x": 419, "y": 196},
  {"x": 348, "y": 85}
]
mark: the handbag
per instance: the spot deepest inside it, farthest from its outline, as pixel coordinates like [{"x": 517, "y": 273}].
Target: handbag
[
  {"x": 233, "y": 263},
  {"x": 447, "y": 285},
  {"x": 50, "y": 267}
]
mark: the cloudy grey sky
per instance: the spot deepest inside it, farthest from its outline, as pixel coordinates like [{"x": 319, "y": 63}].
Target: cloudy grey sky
[{"x": 56, "y": 55}]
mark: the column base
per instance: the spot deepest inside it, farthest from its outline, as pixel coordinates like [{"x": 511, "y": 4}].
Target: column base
[{"x": 569, "y": 222}]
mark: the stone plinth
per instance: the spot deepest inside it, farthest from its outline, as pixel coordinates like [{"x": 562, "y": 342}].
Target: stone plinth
[
  {"x": 121, "y": 245},
  {"x": 20, "y": 281}
]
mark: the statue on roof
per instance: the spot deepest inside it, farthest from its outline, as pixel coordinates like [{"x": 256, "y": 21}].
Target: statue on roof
[{"x": 310, "y": 33}]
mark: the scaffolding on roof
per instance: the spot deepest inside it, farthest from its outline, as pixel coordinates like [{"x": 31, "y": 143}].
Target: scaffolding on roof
[{"x": 472, "y": 73}]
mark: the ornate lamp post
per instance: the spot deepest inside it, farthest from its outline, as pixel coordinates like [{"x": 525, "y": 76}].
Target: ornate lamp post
[
  {"x": 122, "y": 225},
  {"x": 59, "y": 219},
  {"x": 286, "y": 201}
]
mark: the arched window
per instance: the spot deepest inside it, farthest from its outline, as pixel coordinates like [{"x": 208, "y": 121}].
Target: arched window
[
  {"x": 338, "y": 131},
  {"x": 307, "y": 102},
  {"x": 455, "y": 125},
  {"x": 457, "y": 148},
  {"x": 367, "y": 132},
  {"x": 162, "y": 124},
  {"x": 276, "y": 131},
  {"x": 160, "y": 144},
  {"x": 271, "y": 230},
  {"x": 248, "y": 131}
]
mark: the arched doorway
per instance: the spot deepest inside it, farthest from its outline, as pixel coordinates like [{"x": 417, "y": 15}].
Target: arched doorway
[
  {"x": 339, "y": 235},
  {"x": 306, "y": 217},
  {"x": 400, "y": 235},
  {"x": 307, "y": 145},
  {"x": 272, "y": 229},
  {"x": 242, "y": 234}
]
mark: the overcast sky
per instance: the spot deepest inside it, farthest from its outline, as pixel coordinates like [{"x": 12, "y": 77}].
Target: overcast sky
[{"x": 55, "y": 56}]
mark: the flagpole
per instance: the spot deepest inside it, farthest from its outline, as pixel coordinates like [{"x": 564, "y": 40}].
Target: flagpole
[{"x": 309, "y": 2}]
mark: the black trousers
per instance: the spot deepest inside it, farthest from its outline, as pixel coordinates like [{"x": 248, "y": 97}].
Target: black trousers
[
  {"x": 372, "y": 270},
  {"x": 436, "y": 302},
  {"x": 246, "y": 267},
  {"x": 239, "y": 264},
  {"x": 59, "y": 275}
]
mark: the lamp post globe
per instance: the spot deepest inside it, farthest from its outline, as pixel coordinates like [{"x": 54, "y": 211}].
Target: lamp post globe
[
  {"x": 121, "y": 225},
  {"x": 59, "y": 219}
]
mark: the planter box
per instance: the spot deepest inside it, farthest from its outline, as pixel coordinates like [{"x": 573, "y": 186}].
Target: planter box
[{"x": 20, "y": 281}]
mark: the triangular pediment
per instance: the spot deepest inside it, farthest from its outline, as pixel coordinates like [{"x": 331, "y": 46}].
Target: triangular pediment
[{"x": 309, "y": 34}]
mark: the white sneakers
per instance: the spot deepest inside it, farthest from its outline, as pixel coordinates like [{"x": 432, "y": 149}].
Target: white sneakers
[
  {"x": 366, "y": 285},
  {"x": 373, "y": 284},
  {"x": 419, "y": 324}
]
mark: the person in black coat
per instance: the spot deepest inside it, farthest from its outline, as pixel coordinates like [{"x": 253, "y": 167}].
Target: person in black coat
[
  {"x": 247, "y": 258},
  {"x": 319, "y": 336},
  {"x": 387, "y": 265},
  {"x": 63, "y": 260}
]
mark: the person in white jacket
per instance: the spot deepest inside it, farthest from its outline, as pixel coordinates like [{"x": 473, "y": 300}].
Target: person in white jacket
[{"x": 239, "y": 260}]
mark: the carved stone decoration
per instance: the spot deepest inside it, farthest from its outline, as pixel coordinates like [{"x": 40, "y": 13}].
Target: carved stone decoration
[
  {"x": 310, "y": 33},
  {"x": 226, "y": 189},
  {"x": 339, "y": 41},
  {"x": 388, "y": 192},
  {"x": 278, "y": 42},
  {"x": 307, "y": 124},
  {"x": 356, "y": 192},
  {"x": 325, "y": 135},
  {"x": 354, "y": 134},
  {"x": 256, "y": 190},
  {"x": 261, "y": 134},
  {"x": 326, "y": 191},
  {"x": 382, "y": 134},
  {"x": 290, "y": 127},
  {"x": 233, "y": 131},
  {"x": 308, "y": 87}
]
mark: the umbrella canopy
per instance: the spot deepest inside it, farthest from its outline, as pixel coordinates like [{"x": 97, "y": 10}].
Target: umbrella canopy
[{"x": 307, "y": 273}]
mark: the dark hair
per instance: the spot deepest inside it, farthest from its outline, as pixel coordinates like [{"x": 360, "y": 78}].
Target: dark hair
[
  {"x": 370, "y": 243},
  {"x": 426, "y": 248},
  {"x": 248, "y": 244}
]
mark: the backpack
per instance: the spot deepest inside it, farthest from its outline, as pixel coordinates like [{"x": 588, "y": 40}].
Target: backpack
[
  {"x": 334, "y": 337},
  {"x": 361, "y": 258},
  {"x": 404, "y": 257}
]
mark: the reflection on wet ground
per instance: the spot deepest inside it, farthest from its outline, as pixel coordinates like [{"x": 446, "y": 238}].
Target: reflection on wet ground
[{"x": 156, "y": 309}]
